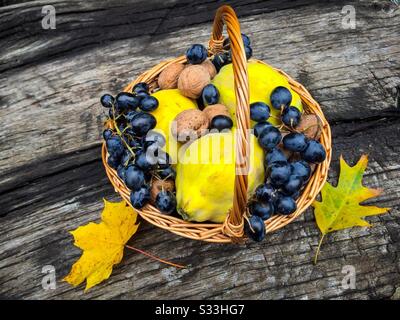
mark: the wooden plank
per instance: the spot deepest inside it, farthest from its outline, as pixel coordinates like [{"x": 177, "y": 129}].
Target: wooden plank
[
  {"x": 51, "y": 178},
  {"x": 35, "y": 233},
  {"x": 61, "y": 88}
]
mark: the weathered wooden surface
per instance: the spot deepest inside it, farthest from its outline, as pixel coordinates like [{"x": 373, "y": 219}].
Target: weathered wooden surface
[{"x": 51, "y": 178}]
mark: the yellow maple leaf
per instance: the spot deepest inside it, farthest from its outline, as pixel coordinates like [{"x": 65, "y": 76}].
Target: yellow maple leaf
[
  {"x": 102, "y": 244},
  {"x": 340, "y": 206}
]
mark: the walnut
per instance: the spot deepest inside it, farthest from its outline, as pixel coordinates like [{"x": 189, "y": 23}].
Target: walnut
[
  {"x": 168, "y": 78},
  {"x": 310, "y": 125},
  {"x": 209, "y": 66},
  {"x": 158, "y": 185},
  {"x": 192, "y": 80},
  {"x": 215, "y": 110},
  {"x": 189, "y": 125}
]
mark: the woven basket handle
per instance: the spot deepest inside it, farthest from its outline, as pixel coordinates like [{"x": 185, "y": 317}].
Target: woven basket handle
[{"x": 233, "y": 225}]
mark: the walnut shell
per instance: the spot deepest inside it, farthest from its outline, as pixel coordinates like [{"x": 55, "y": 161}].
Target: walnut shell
[
  {"x": 168, "y": 78},
  {"x": 310, "y": 125},
  {"x": 192, "y": 80},
  {"x": 215, "y": 110},
  {"x": 158, "y": 185},
  {"x": 209, "y": 66},
  {"x": 189, "y": 124}
]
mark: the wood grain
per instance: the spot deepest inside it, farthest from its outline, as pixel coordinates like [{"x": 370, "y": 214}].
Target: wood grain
[{"x": 51, "y": 178}]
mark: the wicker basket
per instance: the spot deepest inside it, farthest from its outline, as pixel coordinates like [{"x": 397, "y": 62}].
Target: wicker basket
[{"x": 232, "y": 229}]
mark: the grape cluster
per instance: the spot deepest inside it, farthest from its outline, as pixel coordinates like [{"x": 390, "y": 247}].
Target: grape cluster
[
  {"x": 289, "y": 158},
  {"x": 134, "y": 149}
]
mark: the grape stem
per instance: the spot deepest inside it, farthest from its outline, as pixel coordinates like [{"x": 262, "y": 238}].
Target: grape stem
[
  {"x": 119, "y": 132},
  {"x": 248, "y": 221},
  {"x": 274, "y": 117}
]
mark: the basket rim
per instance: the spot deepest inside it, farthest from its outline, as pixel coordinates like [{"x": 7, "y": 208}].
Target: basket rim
[{"x": 213, "y": 232}]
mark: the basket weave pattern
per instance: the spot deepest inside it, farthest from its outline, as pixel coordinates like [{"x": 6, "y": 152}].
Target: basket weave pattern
[{"x": 232, "y": 229}]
